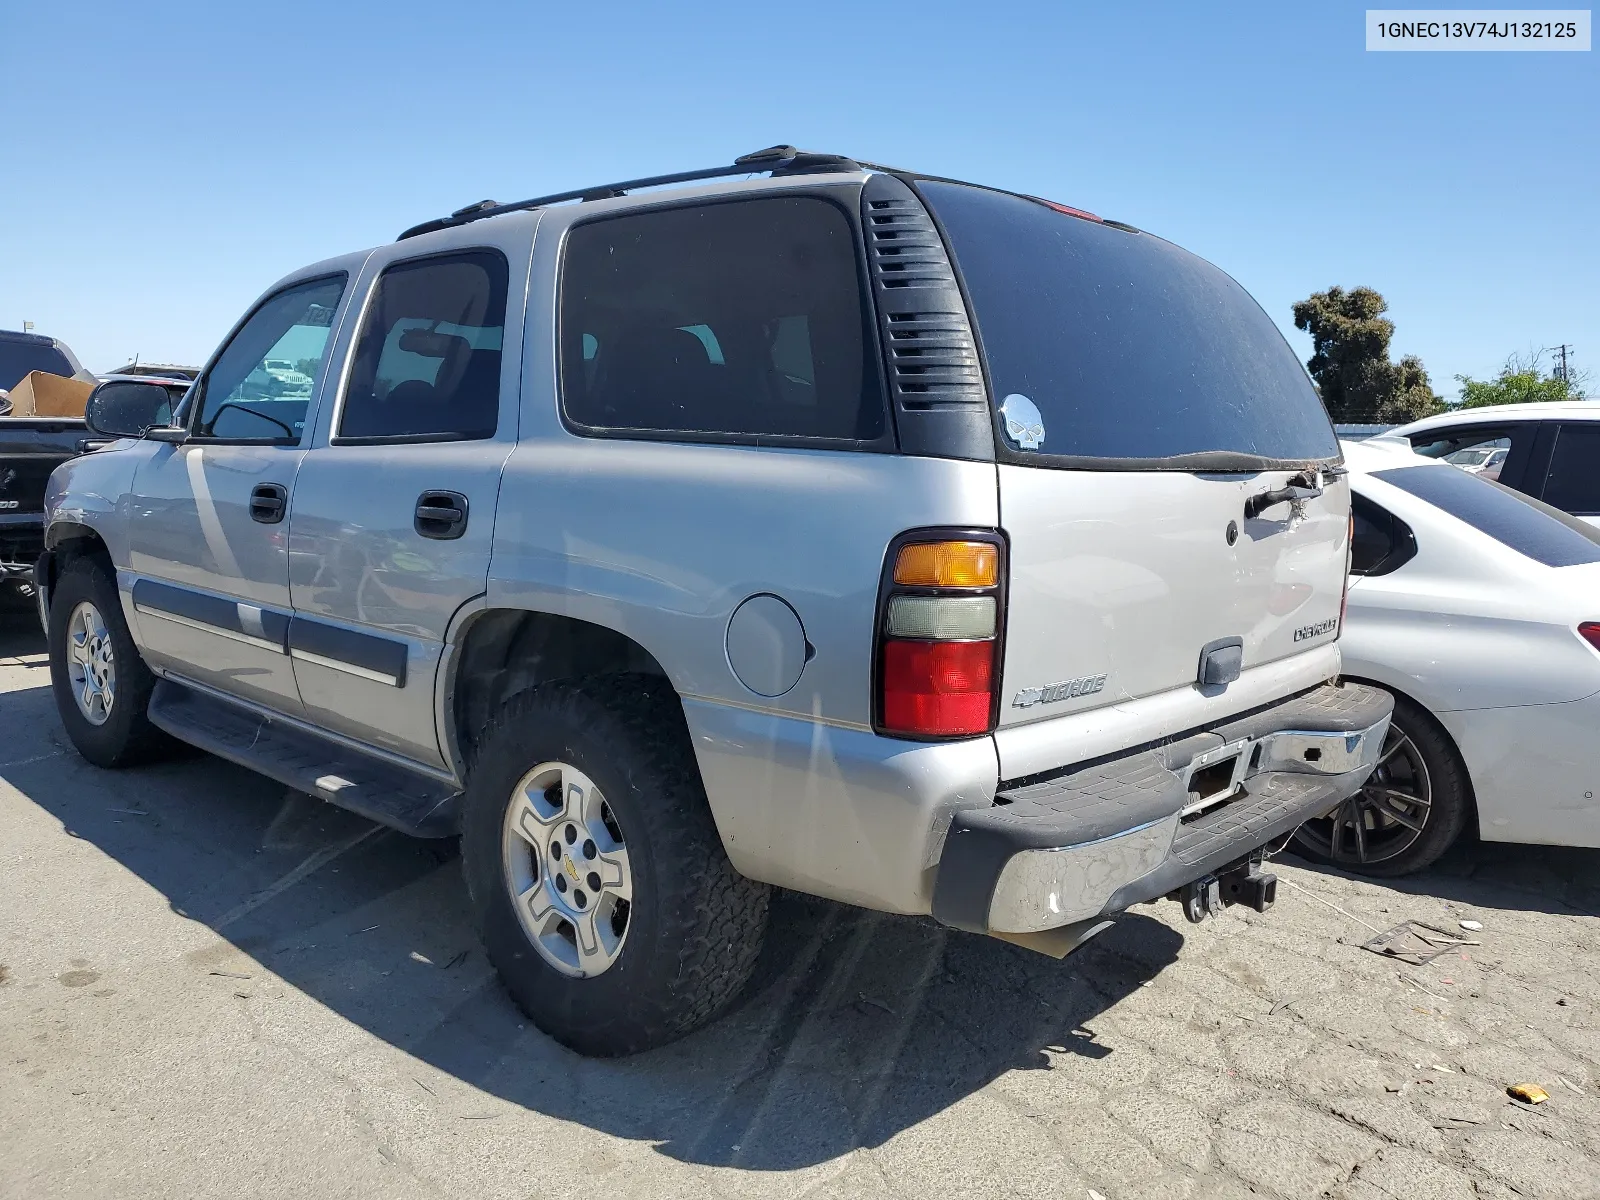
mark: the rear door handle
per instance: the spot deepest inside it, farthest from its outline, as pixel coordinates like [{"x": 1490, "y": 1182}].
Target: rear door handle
[
  {"x": 268, "y": 503},
  {"x": 441, "y": 516}
]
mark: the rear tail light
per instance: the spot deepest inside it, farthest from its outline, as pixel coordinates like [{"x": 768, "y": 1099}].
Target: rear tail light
[
  {"x": 939, "y": 626},
  {"x": 1589, "y": 631}
]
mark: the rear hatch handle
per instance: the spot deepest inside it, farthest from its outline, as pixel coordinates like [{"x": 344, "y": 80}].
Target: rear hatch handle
[{"x": 1307, "y": 485}]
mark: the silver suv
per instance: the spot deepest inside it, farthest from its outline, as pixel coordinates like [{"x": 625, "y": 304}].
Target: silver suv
[{"x": 796, "y": 523}]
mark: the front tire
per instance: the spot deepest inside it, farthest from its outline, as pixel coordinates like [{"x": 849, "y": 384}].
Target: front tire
[
  {"x": 598, "y": 881},
  {"x": 102, "y": 687},
  {"x": 1411, "y": 810}
]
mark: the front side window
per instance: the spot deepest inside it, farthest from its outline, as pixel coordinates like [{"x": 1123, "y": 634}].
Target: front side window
[
  {"x": 427, "y": 365},
  {"x": 1573, "y": 484},
  {"x": 743, "y": 318},
  {"x": 260, "y": 386}
]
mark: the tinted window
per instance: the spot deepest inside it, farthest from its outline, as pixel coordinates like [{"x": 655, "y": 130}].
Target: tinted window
[
  {"x": 1128, "y": 346},
  {"x": 1382, "y": 541},
  {"x": 1544, "y": 534},
  {"x": 247, "y": 394},
  {"x": 19, "y": 358},
  {"x": 1478, "y": 449},
  {"x": 1573, "y": 484},
  {"x": 428, "y": 362},
  {"x": 739, "y": 318}
]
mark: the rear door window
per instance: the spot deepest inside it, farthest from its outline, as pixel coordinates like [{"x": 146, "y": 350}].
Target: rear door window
[
  {"x": 427, "y": 365},
  {"x": 742, "y": 320},
  {"x": 1526, "y": 525},
  {"x": 1128, "y": 347},
  {"x": 1573, "y": 484}
]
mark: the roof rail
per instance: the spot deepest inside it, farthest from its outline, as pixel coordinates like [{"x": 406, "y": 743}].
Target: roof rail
[{"x": 776, "y": 160}]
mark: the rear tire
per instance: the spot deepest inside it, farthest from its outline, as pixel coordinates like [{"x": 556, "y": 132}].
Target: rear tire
[
  {"x": 101, "y": 684},
  {"x": 598, "y": 880},
  {"x": 1410, "y": 811}
]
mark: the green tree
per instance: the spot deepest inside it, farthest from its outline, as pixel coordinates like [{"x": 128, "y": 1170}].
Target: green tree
[
  {"x": 1520, "y": 382},
  {"x": 1350, "y": 360}
]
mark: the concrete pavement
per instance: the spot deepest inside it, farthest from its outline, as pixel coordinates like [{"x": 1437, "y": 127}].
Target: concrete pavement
[{"x": 211, "y": 988}]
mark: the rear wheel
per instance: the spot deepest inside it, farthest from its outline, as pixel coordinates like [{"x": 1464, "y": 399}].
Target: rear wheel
[
  {"x": 1409, "y": 812},
  {"x": 598, "y": 880},
  {"x": 102, "y": 686}
]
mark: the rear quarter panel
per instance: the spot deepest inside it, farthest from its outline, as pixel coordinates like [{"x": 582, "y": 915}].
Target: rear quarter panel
[{"x": 663, "y": 542}]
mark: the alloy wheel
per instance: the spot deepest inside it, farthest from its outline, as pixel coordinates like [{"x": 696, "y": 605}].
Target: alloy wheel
[
  {"x": 566, "y": 866},
  {"x": 1386, "y": 817},
  {"x": 91, "y": 666}
]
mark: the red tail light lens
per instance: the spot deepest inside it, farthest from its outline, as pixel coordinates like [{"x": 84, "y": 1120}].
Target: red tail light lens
[
  {"x": 940, "y": 689},
  {"x": 1590, "y": 632},
  {"x": 941, "y": 616}
]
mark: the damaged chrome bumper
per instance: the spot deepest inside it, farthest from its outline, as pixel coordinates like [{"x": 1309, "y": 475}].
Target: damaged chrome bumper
[{"x": 1091, "y": 843}]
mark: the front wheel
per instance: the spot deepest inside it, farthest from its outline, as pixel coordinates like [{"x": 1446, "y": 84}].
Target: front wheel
[
  {"x": 1409, "y": 812},
  {"x": 102, "y": 686},
  {"x": 598, "y": 880}
]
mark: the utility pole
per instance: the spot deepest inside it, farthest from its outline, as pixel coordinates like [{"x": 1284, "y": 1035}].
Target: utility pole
[{"x": 1560, "y": 371}]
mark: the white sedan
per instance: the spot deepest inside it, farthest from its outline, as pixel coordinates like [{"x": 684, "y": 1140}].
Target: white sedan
[{"x": 1479, "y": 608}]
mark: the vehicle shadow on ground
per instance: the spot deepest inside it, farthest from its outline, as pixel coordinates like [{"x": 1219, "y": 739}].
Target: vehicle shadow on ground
[
  {"x": 856, "y": 1027},
  {"x": 1559, "y": 880}
]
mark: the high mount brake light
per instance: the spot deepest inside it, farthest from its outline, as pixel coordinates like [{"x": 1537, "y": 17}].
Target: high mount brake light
[
  {"x": 1590, "y": 632},
  {"x": 939, "y": 623},
  {"x": 1069, "y": 210}
]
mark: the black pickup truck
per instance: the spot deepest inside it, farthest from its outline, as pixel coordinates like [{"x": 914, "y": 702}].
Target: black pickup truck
[{"x": 32, "y": 447}]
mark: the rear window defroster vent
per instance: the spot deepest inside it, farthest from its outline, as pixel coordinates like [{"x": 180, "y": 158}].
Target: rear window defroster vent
[{"x": 935, "y": 379}]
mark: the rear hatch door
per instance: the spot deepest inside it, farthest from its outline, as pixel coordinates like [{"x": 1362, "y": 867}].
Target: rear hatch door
[{"x": 1145, "y": 402}]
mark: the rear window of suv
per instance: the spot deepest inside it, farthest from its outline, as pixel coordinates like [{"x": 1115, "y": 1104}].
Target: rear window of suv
[
  {"x": 740, "y": 320},
  {"x": 1129, "y": 347}
]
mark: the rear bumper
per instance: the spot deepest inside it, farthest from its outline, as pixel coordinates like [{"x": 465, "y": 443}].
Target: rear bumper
[
  {"x": 21, "y": 540},
  {"x": 1136, "y": 827}
]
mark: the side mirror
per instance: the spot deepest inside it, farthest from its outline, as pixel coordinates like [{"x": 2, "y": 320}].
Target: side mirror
[{"x": 125, "y": 409}]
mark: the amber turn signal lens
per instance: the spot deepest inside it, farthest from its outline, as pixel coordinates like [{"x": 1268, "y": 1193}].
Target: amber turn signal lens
[{"x": 948, "y": 564}]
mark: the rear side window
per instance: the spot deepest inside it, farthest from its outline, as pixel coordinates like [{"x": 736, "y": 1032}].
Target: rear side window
[
  {"x": 1127, "y": 346},
  {"x": 742, "y": 319},
  {"x": 1544, "y": 534},
  {"x": 427, "y": 366},
  {"x": 1573, "y": 484},
  {"x": 1382, "y": 542}
]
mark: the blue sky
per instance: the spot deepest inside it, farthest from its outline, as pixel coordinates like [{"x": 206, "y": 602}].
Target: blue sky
[{"x": 165, "y": 162}]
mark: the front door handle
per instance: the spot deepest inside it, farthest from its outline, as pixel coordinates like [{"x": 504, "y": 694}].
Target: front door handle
[
  {"x": 441, "y": 516},
  {"x": 268, "y": 503}
]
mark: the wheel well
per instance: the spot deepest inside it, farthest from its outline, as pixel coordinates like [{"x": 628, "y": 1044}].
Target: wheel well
[
  {"x": 1438, "y": 726},
  {"x": 504, "y": 652},
  {"x": 74, "y": 542}
]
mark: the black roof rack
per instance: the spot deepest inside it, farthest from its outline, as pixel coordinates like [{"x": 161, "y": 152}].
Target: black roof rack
[{"x": 776, "y": 160}]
